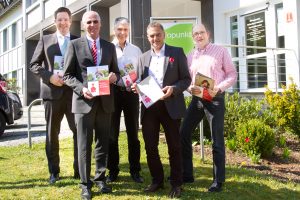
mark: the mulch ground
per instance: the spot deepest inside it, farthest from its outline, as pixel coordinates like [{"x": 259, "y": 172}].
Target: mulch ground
[{"x": 276, "y": 166}]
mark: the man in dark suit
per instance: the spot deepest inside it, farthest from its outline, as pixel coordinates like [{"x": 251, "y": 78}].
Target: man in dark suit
[
  {"x": 168, "y": 65},
  {"x": 91, "y": 113},
  {"x": 57, "y": 97}
]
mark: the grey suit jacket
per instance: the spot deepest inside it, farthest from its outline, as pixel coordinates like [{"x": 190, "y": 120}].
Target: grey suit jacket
[
  {"x": 78, "y": 58},
  {"x": 42, "y": 64},
  {"x": 176, "y": 74}
]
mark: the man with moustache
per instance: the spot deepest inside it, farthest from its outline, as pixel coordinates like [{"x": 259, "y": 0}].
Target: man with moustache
[
  {"x": 92, "y": 114},
  {"x": 168, "y": 65},
  {"x": 57, "y": 97}
]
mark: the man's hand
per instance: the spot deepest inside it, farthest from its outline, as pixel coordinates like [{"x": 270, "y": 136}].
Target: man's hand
[
  {"x": 112, "y": 77},
  {"x": 86, "y": 93},
  {"x": 56, "y": 80},
  {"x": 134, "y": 88},
  {"x": 168, "y": 90},
  {"x": 195, "y": 90}
]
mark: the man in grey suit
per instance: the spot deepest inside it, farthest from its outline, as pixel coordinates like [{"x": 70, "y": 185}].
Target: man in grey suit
[
  {"x": 168, "y": 65},
  {"x": 91, "y": 113},
  {"x": 56, "y": 95}
]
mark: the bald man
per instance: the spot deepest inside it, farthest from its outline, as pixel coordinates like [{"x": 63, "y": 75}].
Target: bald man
[{"x": 92, "y": 114}]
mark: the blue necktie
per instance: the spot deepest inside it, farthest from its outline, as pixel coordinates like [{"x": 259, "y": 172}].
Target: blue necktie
[{"x": 64, "y": 46}]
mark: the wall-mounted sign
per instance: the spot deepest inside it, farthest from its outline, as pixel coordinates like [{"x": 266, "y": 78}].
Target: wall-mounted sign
[
  {"x": 255, "y": 32},
  {"x": 178, "y": 31},
  {"x": 289, "y": 17}
]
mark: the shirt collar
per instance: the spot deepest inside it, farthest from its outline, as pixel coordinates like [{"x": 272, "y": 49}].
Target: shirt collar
[
  {"x": 205, "y": 48},
  {"x": 91, "y": 39},
  {"x": 116, "y": 42},
  {"x": 161, "y": 52},
  {"x": 59, "y": 35}
]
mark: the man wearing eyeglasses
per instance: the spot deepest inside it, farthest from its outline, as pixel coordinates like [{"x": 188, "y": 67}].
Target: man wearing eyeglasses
[
  {"x": 57, "y": 97},
  {"x": 92, "y": 113}
]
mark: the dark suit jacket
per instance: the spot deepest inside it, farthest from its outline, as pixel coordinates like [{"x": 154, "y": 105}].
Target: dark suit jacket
[
  {"x": 78, "y": 58},
  {"x": 43, "y": 60},
  {"x": 176, "y": 74}
]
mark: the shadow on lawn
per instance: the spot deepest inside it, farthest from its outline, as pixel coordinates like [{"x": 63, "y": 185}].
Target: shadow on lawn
[
  {"x": 36, "y": 182},
  {"x": 237, "y": 189}
]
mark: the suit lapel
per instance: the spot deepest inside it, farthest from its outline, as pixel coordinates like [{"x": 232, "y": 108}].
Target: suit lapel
[
  {"x": 167, "y": 57},
  {"x": 86, "y": 49}
]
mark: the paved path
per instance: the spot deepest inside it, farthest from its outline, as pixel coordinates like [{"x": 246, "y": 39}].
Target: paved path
[{"x": 17, "y": 133}]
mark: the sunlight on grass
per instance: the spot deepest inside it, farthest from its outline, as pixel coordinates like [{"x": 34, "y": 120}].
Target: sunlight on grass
[{"x": 24, "y": 175}]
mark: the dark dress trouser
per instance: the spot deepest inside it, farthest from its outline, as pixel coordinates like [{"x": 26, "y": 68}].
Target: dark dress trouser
[
  {"x": 154, "y": 116},
  {"x": 214, "y": 112},
  {"x": 54, "y": 113},
  {"x": 99, "y": 121},
  {"x": 128, "y": 102}
]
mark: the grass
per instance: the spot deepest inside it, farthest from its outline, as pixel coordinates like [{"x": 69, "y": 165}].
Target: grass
[{"x": 24, "y": 175}]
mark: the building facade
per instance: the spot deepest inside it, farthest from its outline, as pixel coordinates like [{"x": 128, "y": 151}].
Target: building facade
[{"x": 262, "y": 36}]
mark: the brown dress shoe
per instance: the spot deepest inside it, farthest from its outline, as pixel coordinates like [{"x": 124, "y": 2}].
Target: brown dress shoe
[
  {"x": 175, "y": 192},
  {"x": 153, "y": 187}
]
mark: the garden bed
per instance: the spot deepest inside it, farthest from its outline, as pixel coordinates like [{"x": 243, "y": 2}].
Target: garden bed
[{"x": 281, "y": 169}]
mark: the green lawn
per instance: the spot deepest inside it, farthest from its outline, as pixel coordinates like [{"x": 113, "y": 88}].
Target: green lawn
[{"x": 24, "y": 175}]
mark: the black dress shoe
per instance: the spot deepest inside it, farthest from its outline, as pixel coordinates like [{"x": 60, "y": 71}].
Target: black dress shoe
[
  {"x": 53, "y": 178},
  {"x": 215, "y": 187},
  {"x": 103, "y": 187},
  {"x": 137, "y": 177},
  {"x": 111, "y": 178},
  {"x": 86, "y": 194},
  {"x": 175, "y": 192},
  {"x": 188, "y": 180},
  {"x": 76, "y": 175},
  {"x": 154, "y": 187}
]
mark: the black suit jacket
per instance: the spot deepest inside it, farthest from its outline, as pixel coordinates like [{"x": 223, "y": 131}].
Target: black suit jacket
[
  {"x": 78, "y": 58},
  {"x": 176, "y": 74},
  {"x": 41, "y": 63}
]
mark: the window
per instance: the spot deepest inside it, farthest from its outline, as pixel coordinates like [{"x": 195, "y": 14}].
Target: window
[
  {"x": 234, "y": 36},
  {"x": 4, "y": 39},
  {"x": 257, "y": 72},
  {"x": 14, "y": 38},
  {"x": 280, "y": 43},
  {"x": 30, "y": 2}
]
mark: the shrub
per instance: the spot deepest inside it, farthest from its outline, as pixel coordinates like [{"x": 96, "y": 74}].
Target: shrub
[
  {"x": 231, "y": 144},
  {"x": 239, "y": 110},
  {"x": 12, "y": 85},
  {"x": 255, "y": 138},
  {"x": 286, "y": 107}
]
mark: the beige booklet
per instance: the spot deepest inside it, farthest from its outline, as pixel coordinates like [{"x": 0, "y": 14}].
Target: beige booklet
[
  {"x": 149, "y": 91},
  {"x": 202, "y": 82}
]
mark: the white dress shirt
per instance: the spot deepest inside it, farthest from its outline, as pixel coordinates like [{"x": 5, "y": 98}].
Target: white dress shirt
[
  {"x": 156, "y": 68},
  {"x": 99, "y": 52}
]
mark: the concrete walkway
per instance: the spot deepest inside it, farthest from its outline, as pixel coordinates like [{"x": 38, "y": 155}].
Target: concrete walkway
[{"x": 17, "y": 134}]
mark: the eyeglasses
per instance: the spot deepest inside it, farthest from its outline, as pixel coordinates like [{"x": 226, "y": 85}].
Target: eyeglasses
[
  {"x": 94, "y": 21},
  {"x": 199, "y": 33}
]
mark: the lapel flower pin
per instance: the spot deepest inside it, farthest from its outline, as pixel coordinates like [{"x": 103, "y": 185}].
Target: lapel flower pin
[{"x": 171, "y": 59}]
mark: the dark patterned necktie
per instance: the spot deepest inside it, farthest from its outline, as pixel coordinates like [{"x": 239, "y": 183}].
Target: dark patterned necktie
[{"x": 94, "y": 52}]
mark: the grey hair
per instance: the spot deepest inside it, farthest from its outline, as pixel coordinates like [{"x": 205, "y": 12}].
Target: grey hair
[
  {"x": 155, "y": 24},
  {"x": 84, "y": 16},
  {"x": 121, "y": 20}
]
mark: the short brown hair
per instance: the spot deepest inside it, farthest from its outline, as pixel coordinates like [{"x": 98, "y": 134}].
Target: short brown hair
[{"x": 62, "y": 9}]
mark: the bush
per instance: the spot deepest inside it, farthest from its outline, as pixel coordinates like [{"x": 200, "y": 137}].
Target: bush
[
  {"x": 255, "y": 138},
  {"x": 239, "y": 110},
  {"x": 12, "y": 85},
  {"x": 286, "y": 107}
]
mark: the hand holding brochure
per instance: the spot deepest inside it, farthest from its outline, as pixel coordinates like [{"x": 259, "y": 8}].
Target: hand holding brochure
[
  {"x": 149, "y": 91},
  {"x": 98, "y": 81}
]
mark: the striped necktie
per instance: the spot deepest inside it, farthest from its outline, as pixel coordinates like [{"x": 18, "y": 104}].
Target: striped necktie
[{"x": 94, "y": 52}]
